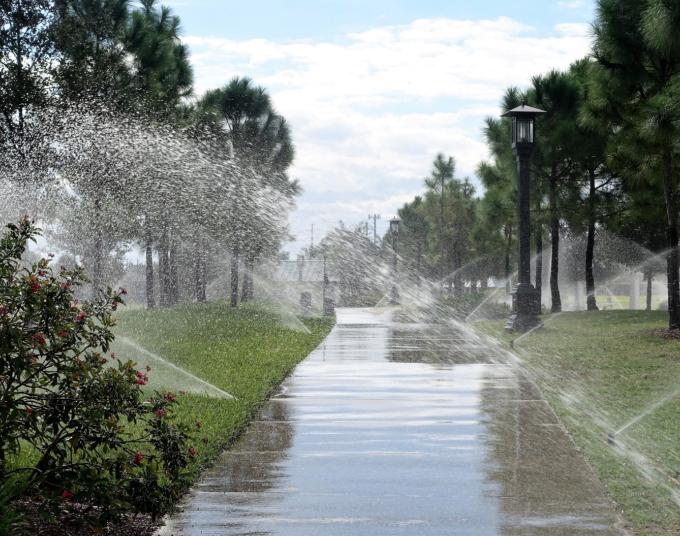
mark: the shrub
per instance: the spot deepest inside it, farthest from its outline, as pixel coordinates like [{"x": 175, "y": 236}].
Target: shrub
[{"x": 99, "y": 441}]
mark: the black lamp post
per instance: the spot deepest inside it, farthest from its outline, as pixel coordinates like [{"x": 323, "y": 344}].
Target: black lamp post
[
  {"x": 526, "y": 301},
  {"x": 394, "y": 231}
]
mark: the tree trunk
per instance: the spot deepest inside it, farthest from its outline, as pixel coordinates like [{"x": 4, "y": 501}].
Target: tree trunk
[
  {"x": 458, "y": 283},
  {"x": 650, "y": 279},
  {"x": 200, "y": 272},
  {"x": 442, "y": 242},
  {"x": 233, "y": 272},
  {"x": 539, "y": 249},
  {"x": 419, "y": 255},
  {"x": 97, "y": 255},
  {"x": 150, "y": 298},
  {"x": 173, "y": 279},
  {"x": 672, "y": 236},
  {"x": 97, "y": 262},
  {"x": 590, "y": 245},
  {"x": 247, "y": 290},
  {"x": 555, "y": 244},
  {"x": 163, "y": 270}
]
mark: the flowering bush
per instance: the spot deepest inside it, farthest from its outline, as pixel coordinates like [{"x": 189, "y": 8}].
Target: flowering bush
[{"x": 99, "y": 441}]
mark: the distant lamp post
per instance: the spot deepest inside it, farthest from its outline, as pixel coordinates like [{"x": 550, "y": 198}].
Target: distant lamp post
[
  {"x": 394, "y": 231},
  {"x": 526, "y": 301},
  {"x": 328, "y": 303}
]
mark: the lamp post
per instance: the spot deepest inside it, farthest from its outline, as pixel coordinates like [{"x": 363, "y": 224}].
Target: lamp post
[
  {"x": 394, "y": 231},
  {"x": 328, "y": 303},
  {"x": 525, "y": 298}
]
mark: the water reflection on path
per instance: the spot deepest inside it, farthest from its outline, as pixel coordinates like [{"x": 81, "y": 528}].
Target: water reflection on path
[{"x": 400, "y": 428}]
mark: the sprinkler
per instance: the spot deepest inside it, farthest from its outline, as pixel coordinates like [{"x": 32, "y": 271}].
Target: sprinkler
[{"x": 611, "y": 438}]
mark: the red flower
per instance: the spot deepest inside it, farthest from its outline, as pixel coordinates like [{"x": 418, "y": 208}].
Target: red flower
[
  {"x": 66, "y": 495},
  {"x": 40, "y": 339},
  {"x": 141, "y": 378},
  {"x": 160, "y": 413},
  {"x": 29, "y": 411},
  {"x": 193, "y": 452},
  {"x": 169, "y": 397},
  {"x": 81, "y": 316},
  {"x": 34, "y": 284},
  {"x": 3, "y": 310},
  {"x": 63, "y": 334},
  {"x": 139, "y": 457},
  {"x": 65, "y": 286}
]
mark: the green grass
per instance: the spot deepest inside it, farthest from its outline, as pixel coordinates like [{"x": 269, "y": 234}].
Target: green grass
[
  {"x": 246, "y": 352},
  {"x": 615, "y": 301},
  {"x": 599, "y": 370}
]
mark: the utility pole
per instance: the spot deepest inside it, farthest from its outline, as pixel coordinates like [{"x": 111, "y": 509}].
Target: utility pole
[{"x": 375, "y": 218}]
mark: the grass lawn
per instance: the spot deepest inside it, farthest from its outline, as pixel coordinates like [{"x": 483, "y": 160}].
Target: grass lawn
[
  {"x": 246, "y": 352},
  {"x": 600, "y": 370}
]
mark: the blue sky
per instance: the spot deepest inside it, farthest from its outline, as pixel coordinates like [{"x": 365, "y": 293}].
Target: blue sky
[
  {"x": 374, "y": 89},
  {"x": 330, "y": 19}
]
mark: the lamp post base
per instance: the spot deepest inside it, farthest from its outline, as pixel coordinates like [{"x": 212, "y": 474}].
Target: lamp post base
[
  {"x": 526, "y": 306},
  {"x": 328, "y": 307}
]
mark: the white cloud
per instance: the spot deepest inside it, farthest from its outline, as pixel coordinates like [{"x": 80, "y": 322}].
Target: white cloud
[{"x": 370, "y": 111}]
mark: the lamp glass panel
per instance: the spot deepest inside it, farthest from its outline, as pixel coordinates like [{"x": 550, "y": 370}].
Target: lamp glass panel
[{"x": 524, "y": 131}]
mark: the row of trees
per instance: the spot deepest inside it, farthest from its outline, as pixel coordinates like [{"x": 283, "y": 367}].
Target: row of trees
[
  {"x": 606, "y": 160},
  {"x": 99, "y": 123}
]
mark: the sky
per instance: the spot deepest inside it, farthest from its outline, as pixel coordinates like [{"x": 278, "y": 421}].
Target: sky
[{"x": 374, "y": 89}]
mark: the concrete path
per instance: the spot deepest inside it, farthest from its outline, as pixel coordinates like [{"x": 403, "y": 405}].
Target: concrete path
[{"x": 400, "y": 429}]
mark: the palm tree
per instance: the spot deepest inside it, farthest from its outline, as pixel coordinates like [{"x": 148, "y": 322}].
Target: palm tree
[{"x": 241, "y": 114}]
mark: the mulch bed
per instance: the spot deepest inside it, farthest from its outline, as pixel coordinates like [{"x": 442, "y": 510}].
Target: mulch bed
[
  {"x": 70, "y": 522},
  {"x": 665, "y": 333}
]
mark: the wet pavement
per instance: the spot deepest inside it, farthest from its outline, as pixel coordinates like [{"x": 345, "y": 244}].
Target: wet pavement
[{"x": 395, "y": 428}]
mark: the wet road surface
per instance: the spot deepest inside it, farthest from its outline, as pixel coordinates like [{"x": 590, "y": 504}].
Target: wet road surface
[{"x": 400, "y": 429}]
